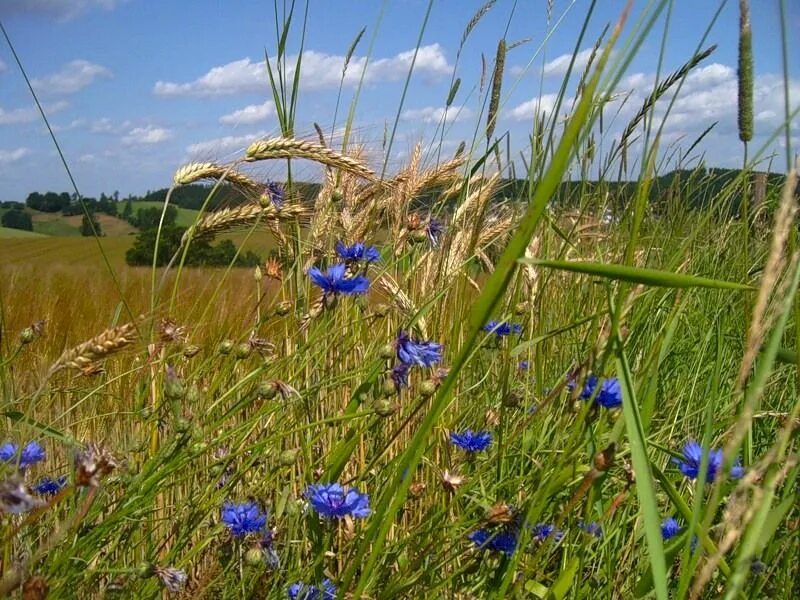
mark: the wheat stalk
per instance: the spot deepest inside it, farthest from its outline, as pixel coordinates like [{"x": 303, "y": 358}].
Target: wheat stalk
[
  {"x": 245, "y": 214},
  {"x": 198, "y": 171},
  {"x": 85, "y": 355},
  {"x": 282, "y": 147}
]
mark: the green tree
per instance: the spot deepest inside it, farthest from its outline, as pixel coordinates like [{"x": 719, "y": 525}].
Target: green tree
[
  {"x": 17, "y": 219},
  {"x": 88, "y": 222}
]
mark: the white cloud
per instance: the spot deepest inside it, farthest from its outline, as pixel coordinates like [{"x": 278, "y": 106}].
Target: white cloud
[
  {"x": 429, "y": 114},
  {"x": 72, "y": 77},
  {"x": 29, "y": 113},
  {"x": 10, "y": 156},
  {"x": 249, "y": 114},
  {"x": 526, "y": 111},
  {"x": 106, "y": 125},
  {"x": 319, "y": 71},
  {"x": 60, "y": 9},
  {"x": 87, "y": 158},
  {"x": 558, "y": 66},
  {"x": 223, "y": 145},
  {"x": 146, "y": 136}
]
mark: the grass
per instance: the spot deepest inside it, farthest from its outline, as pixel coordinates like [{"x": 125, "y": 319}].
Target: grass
[{"x": 630, "y": 337}]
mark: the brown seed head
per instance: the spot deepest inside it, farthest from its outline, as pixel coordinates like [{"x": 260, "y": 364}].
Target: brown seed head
[
  {"x": 93, "y": 463},
  {"x": 452, "y": 481}
]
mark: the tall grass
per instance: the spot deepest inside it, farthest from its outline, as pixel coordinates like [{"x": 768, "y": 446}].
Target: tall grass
[{"x": 225, "y": 386}]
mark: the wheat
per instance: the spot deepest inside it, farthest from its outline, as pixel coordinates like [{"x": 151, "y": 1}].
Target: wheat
[
  {"x": 230, "y": 218},
  {"x": 84, "y": 356},
  {"x": 199, "y": 171},
  {"x": 282, "y": 147}
]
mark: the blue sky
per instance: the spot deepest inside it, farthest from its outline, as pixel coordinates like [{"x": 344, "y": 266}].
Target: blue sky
[{"x": 136, "y": 88}]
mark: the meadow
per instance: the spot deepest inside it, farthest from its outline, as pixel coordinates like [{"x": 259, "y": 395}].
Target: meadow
[{"x": 459, "y": 398}]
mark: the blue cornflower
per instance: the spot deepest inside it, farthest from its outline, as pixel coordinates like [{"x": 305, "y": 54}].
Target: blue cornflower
[
  {"x": 594, "y": 529},
  {"x": 243, "y": 518},
  {"x": 31, "y": 454},
  {"x": 331, "y": 501},
  {"x": 609, "y": 395},
  {"x": 400, "y": 375},
  {"x": 500, "y": 540},
  {"x": 335, "y": 282},
  {"x": 542, "y": 531},
  {"x": 669, "y": 528},
  {"x": 502, "y": 329},
  {"x": 358, "y": 252},
  {"x": 434, "y": 229},
  {"x": 50, "y": 487},
  {"x": 693, "y": 457},
  {"x": 413, "y": 352},
  {"x": 275, "y": 192},
  {"x": 523, "y": 365},
  {"x": 8, "y": 451},
  {"x": 472, "y": 441},
  {"x": 304, "y": 591}
]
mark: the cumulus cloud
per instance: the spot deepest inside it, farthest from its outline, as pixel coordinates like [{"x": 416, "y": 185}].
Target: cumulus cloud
[
  {"x": 141, "y": 136},
  {"x": 10, "y": 156},
  {"x": 709, "y": 94},
  {"x": 430, "y": 114},
  {"x": 29, "y": 113},
  {"x": 526, "y": 111},
  {"x": 223, "y": 145},
  {"x": 558, "y": 66},
  {"x": 72, "y": 77},
  {"x": 106, "y": 125},
  {"x": 59, "y": 9},
  {"x": 319, "y": 71},
  {"x": 249, "y": 114}
]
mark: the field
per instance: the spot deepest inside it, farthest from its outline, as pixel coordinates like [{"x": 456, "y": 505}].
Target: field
[{"x": 426, "y": 392}]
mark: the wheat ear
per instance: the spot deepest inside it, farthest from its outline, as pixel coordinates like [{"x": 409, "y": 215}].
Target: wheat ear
[
  {"x": 245, "y": 214},
  {"x": 198, "y": 171},
  {"x": 99, "y": 347},
  {"x": 282, "y": 147}
]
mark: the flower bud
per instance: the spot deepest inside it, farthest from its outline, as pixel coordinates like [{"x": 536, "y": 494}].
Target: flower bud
[
  {"x": 182, "y": 425},
  {"x": 145, "y": 570},
  {"x": 243, "y": 350},
  {"x": 386, "y": 352},
  {"x": 418, "y": 236},
  {"x": 288, "y": 457},
  {"x": 266, "y": 390},
  {"x": 225, "y": 347},
  {"x": 521, "y": 308},
  {"x": 283, "y": 308},
  {"x": 388, "y": 388},
  {"x": 427, "y": 388},
  {"x": 173, "y": 387},
  {"x": 191, "y": 350},
  {"x": 194, "y": 395},
  {"x": 385, "y": 408},
  {"x": 254, "y": 557},
  {"x": 27, "y": 335},
  {"x": 257, "y": 274}
]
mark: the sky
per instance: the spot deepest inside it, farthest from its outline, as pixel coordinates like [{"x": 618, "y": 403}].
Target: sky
[{"x": 136, "y": 88}]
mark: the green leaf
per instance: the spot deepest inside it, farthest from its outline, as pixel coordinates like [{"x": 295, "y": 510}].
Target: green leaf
[
  {"x": 653, "y": 277},
  {"x": 564, "y": 581}
]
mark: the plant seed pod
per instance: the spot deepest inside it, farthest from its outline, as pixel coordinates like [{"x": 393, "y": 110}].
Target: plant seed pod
[
  {"x": 288, "y": 457},
  {"x": 283, "y": 308},
  {"x": 243, "y": 350},
  {"x": 27, "y": 335},
  {"x": 385, "y": 408},
  {"x": 225, "y": 347},
  {"x": 427, "y": 388},
  {"x": 254, "y": 557},
  {"x": 386, "y": 352},
  {"x": 191, "y": 350}
]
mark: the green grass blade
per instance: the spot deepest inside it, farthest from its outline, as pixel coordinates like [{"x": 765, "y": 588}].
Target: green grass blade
[{"x": 651, "y": 277}]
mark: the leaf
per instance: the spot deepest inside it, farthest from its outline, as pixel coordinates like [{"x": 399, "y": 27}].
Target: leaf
[
  {"x": 653, "y": 277},
  {"x": 564, "y": 581}
]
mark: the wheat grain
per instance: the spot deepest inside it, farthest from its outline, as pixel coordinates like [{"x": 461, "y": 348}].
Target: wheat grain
[
  {"x": 99, "y": 347},
  {"x": 282, "y": 147}
]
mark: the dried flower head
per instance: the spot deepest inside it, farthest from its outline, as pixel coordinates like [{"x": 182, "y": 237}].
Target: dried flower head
[
  {"x": 92, "y": 463},
  {"x": 500, "y": 514},
  {"x": 452, "y": 481},
  {"x": 15, "y": 498},
  {"x": 272, "y": 269},
  {"x": 169, "y": 331},
  {"x": 173, "y": 579}
]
